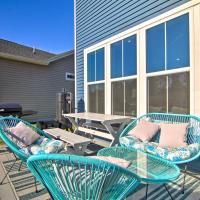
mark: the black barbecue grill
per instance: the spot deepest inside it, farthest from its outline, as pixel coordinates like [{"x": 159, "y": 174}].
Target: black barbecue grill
[{"x": 14, "y": 109}]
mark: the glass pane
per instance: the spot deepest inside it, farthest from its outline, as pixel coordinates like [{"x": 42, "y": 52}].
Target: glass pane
[
  {"x": 155, "y": 48},
  {"x": 92, "y": 98},
  {"x": 131, "y": 98},
  {"x": 96, "y": 98},
  {"x": 101, "y": 98},
  {"x": 178, "y": 42},
  {"x": 116, "y": 59},
  {"x": 91, "y": 66},
  {"x": 157, "y": 94},
  {"x": 179, "y": 93},
  {"x": 118, "y": 98},
  {"x": 130, "y": 56},
  {"x": 100, "y": 64}
]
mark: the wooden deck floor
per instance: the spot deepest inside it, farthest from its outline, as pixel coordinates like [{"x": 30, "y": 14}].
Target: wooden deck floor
[
  {"x": 20, "y": 185},
  {"x": 7, "y": 192}
]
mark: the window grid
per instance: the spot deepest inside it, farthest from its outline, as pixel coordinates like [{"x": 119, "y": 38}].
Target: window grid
[
  {"x": 95, "y": 66},
  {"x": 167, "y": 93},
  {"x": 124, "y": 97},
  {"x": 123, "y": 58},
  {"x": 165, "y": 25}
]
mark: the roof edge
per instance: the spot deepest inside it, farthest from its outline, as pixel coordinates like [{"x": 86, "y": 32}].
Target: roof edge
[
  {"x": 33, "y": 61},
  {"x": 23, "y": 59},
  {"x": 61, "y": 55}
]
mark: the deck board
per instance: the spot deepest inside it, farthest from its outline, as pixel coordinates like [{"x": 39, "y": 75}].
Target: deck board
[
  {"x": 24, "y": 187},
  {"x": 6, "y": 190}
]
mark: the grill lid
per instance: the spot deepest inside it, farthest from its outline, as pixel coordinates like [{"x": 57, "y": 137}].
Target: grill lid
[{"x": 10, "y": 108}]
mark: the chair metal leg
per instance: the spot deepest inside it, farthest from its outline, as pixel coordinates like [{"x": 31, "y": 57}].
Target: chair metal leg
[
  {"x": 8, "y": 172},
  {"x": 184, "y": 176},
  {"x": 146, "y": 196},
  {"x": 35, "y": 182},
  {"x": 20, "y": 166},
  {"x": 168, "y": 192}
]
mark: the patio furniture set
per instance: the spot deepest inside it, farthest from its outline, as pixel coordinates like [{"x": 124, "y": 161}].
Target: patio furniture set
[{"x": 138, "y": 153}]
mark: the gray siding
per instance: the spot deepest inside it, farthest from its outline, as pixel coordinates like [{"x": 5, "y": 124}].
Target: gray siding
[
  {"x": 35, "y": 86},
  {"x": 99, "y": 20}
]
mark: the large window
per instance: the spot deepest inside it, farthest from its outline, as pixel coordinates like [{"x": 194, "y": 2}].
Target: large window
[
  {"x": 124, "y": 57},
  {"x": 148, "y": 68},
  {"x": 169, "y": 93},
  {"x": 124, "y": 97},
  {"x": 123, "y": 65},
  {"x": 96, "y": 98},
  {"x": 95, "y": 67},
  {"x": 168, "y": 45},
  {"x": 95, "y": 79},
  {"x": 167, "y": 48}
]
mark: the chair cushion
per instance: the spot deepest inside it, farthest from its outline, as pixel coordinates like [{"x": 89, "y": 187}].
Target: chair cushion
[
  {"x": 132, "y": 142},
  {"x": 44, "y": 145},
  {"x": 144, "y": 130},
  {"x": 172, "y": 154},
  {"x": 22, "y": 135},
  {"x": 173, "y": 135},
  {"x": 116, "y": 161},
  {"x": 128, "y": 140}
]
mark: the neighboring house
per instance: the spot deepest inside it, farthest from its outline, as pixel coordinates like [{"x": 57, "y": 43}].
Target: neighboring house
[
  {"x": 32, "y": 77},
  {"x": 134, "y": 57}
]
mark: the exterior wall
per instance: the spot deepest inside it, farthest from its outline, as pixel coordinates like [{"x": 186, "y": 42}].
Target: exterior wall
[
  {"x": 96, "y": 21},
  {"x": 34, "y": 86}
]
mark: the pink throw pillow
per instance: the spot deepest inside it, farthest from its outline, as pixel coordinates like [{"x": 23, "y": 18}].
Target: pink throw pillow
[
  {"x": 117, "y": 161},
  {"x": 173, "y": 135},
  {"x": 144, "y": 130},
  {"x": 25, "y": 134}
]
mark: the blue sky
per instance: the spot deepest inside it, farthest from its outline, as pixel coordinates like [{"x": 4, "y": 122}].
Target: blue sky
[{"x": 45, "y": 24}]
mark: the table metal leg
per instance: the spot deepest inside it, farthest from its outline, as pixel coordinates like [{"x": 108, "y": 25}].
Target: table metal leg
[
  {"x": 184, "y": 176},
  {"x": 168, "y": 192},
  {"x": 146, "y": 196},
  {"x": 20, "y": 166},
  {"x": 8, "y": 172}
]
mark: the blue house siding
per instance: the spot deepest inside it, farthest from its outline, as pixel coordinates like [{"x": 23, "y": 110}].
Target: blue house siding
[{"x": 99, "y": 20}]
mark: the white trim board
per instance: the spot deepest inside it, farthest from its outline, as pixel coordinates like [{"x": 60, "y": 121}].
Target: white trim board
[{"x": 75, "y": 71}]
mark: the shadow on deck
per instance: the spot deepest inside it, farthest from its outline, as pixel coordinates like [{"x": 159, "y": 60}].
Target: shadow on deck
[{"x": 20, "y": 184}]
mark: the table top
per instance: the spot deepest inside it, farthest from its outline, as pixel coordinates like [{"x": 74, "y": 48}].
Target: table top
[
  {"x": 97, "y": 116},
  {"x": 149, "y": 168},
  {"x": 66, "y": 136}
]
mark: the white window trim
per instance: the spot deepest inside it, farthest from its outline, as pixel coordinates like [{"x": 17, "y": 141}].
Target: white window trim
[
  {"x": 196, "y": 69},
  {"x": 141, "y": 76},
  {"x": 167, "y": 72},
  {"x": 86, "y": 83},
  {"x": 179, "y": 70},
  {"x": 107, "y": 73},
  {"x": 69, "y": 79}
]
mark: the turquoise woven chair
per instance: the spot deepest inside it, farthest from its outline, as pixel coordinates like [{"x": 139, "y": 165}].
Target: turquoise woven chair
[
  {"x": 82, "y": 178},
  {"x": 193, "y": 135},
  {"x": 8, "y": 122}
]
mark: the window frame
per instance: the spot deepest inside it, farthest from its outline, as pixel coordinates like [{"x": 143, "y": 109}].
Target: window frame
[
  {"x": 142, "y": 75},
  {"x": 86, "y": 82},
  {"x": 69, "y": 78},
  {"x": 189, "y": 69}
]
